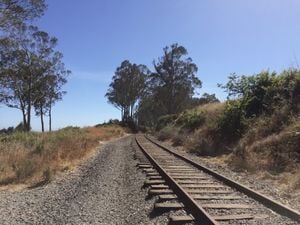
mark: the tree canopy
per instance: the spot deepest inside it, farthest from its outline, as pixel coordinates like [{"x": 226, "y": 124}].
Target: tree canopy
[
  {"x": 31, "y": 70},
  {"x": 174, "y": 78},
  {"x": 170, "y": 87},
  {"x": 126, "y": 87},
  {"x": 17, "y": 12}
]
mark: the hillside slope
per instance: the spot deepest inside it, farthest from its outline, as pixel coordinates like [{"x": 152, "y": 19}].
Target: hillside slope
[{"x": 268, "y": 144}]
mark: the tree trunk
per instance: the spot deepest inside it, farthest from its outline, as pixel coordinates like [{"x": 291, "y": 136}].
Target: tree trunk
[
  {"x": 122, "y": 114},
  {"x": 27, "y": 127},
  {"x": 42, "y": 118},
  {"x": 131, "y": 111},
  {"x": 50, "y": 119},
  {"x": 29, "y": 104},
  {"x": 24, "y": 118},
  {"x": 125, "y": 113},
  {"x": 23, "y": 109}
]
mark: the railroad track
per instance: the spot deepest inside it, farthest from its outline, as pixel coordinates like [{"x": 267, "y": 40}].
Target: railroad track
[{"x": 206, "y": 196}]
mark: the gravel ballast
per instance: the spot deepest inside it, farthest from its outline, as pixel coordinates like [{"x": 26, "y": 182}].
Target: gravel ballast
[{"x": 104, "y": 190}]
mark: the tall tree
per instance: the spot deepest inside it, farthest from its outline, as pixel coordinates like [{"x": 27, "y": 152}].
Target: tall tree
[
  {"x": 126, "y": 88},
  {"x": 27, "y": 59},
  {"x": 57, "y": 79},
  {"x": 52, "y": 79},
  {"x": 174, "y": 79},
  {"x": 170, "y": 88}
]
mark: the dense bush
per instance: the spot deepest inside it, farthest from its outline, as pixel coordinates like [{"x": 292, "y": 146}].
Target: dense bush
[
  {"x": 258, "y": 123},
  {"x": 165, "y": 120},
  {"x": 190, "y": 120},
  {"x": 231, "y": 123},
  {"x": 265, "y": 92}
]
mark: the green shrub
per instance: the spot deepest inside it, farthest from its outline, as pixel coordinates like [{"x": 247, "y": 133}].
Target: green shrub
[
  {"x": 166, "y": 120},
  {"x": 231, "y": 124},
  {"x": 190, "y": 120},
  {"x": 264, "y": 92}
]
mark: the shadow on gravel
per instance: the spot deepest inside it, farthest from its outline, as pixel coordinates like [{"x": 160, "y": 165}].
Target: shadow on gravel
[
  {"x": 155, "y": 213},
  {"x": 39, "y": 184},
  {"x": 149, "y": 197}
]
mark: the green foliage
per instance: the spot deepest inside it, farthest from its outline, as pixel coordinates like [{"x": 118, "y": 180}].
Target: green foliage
[
  {"x": 70, "y": 128},
  {"x": 165, "y": 120},
  {"x": 265, "y": 92},
  {"x": 17, "y": 12},
  {"x": 110, "y": 122},
  {"x": 190, "y": 120},
  {"x": 170, "y": 87},
  {"x": 31, "y": 71},
  {"x": 174, "y": 79},
  {"x": 231, "y": 123},
  {"x": 126, "y": 88},
  {"x": 261, "y": 94}
]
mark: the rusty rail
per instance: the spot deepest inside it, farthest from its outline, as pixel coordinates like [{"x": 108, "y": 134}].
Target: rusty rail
[{"x": 199, "y": 214}]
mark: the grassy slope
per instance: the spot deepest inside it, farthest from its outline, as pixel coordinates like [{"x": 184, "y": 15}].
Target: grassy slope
[
  {"x": 269, "y": 147},
  {"x": 33, "y": 158}
]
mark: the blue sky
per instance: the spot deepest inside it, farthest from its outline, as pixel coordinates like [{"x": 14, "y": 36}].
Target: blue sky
[{"x": 222, "y": 37}]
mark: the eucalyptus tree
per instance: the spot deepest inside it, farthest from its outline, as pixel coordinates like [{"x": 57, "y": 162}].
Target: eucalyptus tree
[
  {"x": 170, "y": 87},
  {"x": 27, "y": 62},
  {"x": 126, "y": 88},
  {"x": 50, "y": 90},
  {"x": 17, "y": 12},
  {"x": 174, "y": 79},
  {"x": 57, "y": 78}
]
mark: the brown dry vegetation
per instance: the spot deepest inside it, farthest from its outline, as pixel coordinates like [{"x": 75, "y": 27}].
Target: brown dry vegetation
[
  {"x": 34, "y": 158},
  {"x": 269, "y": 148}
]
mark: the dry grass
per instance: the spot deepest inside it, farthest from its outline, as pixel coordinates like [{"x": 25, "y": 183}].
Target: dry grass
[
  {"x": 276, "y": 152},
  {"x": 106, "y": 132},
  {"x": 166, "y": 133},
  {"x": 202, "y": 139},
  {"x": 34, "y": 158},
  {"x": 212, "y": 109}
]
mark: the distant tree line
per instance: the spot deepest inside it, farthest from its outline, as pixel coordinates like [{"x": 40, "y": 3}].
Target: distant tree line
[
  {"x": 143, "y": 96},
  {"x": 32, "y": 73}
]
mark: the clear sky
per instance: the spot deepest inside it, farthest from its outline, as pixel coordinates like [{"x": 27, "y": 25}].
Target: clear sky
[{"x": 222, "y": 37}]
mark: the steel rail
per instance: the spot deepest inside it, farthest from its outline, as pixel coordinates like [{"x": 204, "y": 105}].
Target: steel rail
[
  {"x": 199, "y": 214},
  {"x": 268, "y": 202}
]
